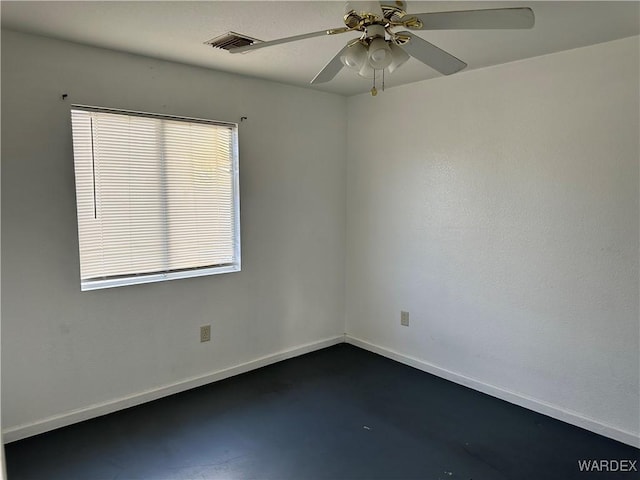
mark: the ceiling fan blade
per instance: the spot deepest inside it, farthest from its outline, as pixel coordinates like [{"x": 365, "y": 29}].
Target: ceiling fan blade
[
  {"x": 295, "y": 38},
  {"x": 331, "y": 69},
  {"x": 431, "y": 55},
  {"x": 494, "y": 18}
]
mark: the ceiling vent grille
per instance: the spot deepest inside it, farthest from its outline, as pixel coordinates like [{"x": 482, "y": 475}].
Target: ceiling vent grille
[{"x": 231, "y": 40}]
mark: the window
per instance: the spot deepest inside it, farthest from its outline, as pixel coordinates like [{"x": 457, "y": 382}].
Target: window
[{"x": 157, "y": 197}]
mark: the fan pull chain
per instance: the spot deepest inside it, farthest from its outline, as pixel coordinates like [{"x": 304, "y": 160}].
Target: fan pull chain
[{"x": 374, "y": 91}]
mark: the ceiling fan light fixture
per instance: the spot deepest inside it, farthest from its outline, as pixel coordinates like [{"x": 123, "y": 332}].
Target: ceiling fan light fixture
[
  {"x": 379, "y": 54},
  {"x": 398, "y": 57},
  {"x": 381, "y": 46},
  {"x": 355, "y": 56}
]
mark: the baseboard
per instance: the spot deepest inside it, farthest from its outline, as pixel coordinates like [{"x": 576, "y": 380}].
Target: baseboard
[
  {"x": 19, "y": 432},
  {"x": 530, "y": 403}
]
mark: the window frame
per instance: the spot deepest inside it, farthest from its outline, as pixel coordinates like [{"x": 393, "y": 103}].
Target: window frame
[{"x": 136, "y": 279}]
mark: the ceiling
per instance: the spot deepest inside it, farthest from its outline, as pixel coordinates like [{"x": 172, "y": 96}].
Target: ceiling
[{"x": 176, "y": 30}]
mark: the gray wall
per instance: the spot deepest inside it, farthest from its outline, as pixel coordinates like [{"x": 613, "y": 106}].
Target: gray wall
[
  {"x": 503, "y": 215},
  {"x": 64, "y": 350}
]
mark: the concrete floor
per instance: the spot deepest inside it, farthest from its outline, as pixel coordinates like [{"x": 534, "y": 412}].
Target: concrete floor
[{"x": 339, "y": 413}]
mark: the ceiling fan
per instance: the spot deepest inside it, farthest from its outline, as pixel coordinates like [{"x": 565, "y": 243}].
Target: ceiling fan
[{"x": 384, "y": 45}]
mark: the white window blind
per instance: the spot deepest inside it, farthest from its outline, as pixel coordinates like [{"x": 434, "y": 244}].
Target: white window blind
[{"x": 157, "y": 197}]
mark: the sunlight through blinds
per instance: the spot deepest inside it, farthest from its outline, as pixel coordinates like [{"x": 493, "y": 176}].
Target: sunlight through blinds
[{"x": 155, "y": 196}]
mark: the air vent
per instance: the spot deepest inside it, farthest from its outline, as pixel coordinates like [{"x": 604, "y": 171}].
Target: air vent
[{"x": 231, "y": 40}]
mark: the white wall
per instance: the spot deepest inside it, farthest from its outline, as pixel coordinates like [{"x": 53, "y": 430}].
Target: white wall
[
  {"x": 500, "y": 208},
  {"x": 63, "y": 349}
]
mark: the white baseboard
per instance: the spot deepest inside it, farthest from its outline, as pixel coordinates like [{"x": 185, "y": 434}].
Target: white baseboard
[
  {"x": 530, "y": 403},
  {"x": 19, "y": 432}
]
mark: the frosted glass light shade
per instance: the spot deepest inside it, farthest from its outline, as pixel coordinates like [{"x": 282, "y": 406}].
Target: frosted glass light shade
[
  {"x": 398, "y": 57},
  {"x": 379, "y": 54},
  {"x": 355, "y": 56},
  {"x": 366, "y": 71}
]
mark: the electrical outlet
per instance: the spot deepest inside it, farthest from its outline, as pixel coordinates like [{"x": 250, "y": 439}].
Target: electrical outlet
[
  {"x": 404, "y": 318},
  {"x": 205, "y": 333}
]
